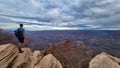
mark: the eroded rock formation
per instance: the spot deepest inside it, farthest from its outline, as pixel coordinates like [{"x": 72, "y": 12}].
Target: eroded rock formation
[{"x": 11, "y": 58}]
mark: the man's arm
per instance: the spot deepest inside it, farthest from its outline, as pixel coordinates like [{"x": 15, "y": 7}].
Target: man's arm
[{"x": 24, "y": 34}]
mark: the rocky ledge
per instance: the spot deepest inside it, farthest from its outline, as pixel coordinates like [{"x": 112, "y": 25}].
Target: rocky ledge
[{"x": 11, "y": 58}]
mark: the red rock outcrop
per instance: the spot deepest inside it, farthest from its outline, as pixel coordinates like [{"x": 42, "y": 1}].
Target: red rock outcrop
[{"x": 71, "y": 53}]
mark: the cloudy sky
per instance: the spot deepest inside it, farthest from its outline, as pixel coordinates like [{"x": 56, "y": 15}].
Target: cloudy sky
[{"x": 60, "y": 14}]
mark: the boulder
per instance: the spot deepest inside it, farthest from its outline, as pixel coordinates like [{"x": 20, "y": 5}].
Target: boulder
[
  {"x": 37, "y": 55},
  {"x": 33, "y": 60},
  {"x": 48, "y": 61},
  {"x": 22, "y": 59},
  {"x": 104, "y": 60},
  {"x": 7, "y": 53}
]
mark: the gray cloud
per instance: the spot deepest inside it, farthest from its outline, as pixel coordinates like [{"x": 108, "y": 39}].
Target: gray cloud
[{"x": 82, "y": 14}]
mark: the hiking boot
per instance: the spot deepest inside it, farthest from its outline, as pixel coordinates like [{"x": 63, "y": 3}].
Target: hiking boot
[{"x": 20, "y": 50}]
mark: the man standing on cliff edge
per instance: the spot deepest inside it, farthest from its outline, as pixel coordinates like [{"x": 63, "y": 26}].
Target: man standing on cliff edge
[{"x": 20, "y": 34}]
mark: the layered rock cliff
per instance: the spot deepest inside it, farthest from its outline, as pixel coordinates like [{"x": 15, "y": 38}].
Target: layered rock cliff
[{"x": 11, "y": 58}]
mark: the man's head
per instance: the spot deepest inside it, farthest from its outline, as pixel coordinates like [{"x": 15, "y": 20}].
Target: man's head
[{"x": 21, "y": 25}]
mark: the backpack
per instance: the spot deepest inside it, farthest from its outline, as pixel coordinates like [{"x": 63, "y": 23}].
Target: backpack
[{"x": 19, "y": 33}]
